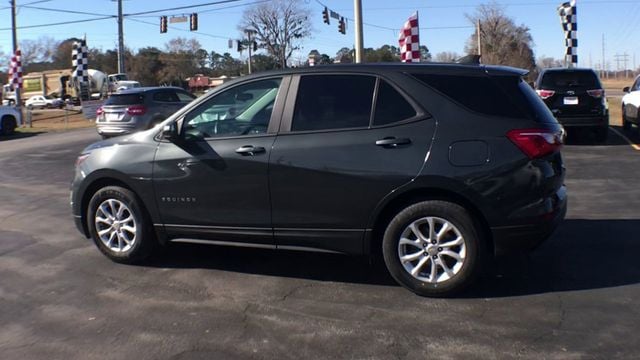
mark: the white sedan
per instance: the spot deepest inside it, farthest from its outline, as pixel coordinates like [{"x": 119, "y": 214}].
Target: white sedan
[
  {"x": 631, "y": 105},
  {"x": 39, "y": 101}
]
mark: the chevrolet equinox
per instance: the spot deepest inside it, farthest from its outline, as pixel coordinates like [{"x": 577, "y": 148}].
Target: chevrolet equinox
[{"x": 434, "y": 167}]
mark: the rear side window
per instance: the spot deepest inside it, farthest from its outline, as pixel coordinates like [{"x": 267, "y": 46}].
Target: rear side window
[
  {"x": 125, "y": 99},
  {"x": 165, "y": 96},
  {"x": 184, "y": 96},
  {"x": 477, "y": 93},
  {"x": 567, "y": 79},
  {"x": 391, "y": 106},
  {"x": 333, "y": 102}
]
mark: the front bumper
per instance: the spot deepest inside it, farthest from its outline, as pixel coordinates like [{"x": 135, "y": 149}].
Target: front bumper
[{"x": 526, "y": 237}]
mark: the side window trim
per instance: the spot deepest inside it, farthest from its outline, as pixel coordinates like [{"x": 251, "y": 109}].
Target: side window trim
[
  {"x": 276, "y": 114},
  {"x": 421, "y": 113}
]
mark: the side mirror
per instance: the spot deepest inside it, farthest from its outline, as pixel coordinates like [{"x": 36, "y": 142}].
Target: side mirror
[
  {"x": 626, "y": 89},
  {"x": 169, "y": 132}
]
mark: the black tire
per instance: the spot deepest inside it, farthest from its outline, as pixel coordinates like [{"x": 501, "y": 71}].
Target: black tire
[
  {"x": 8, "y": 125},
  {"x": 464, "y": 225},
  {"x": 144, "y": 241},
  {"x": 626, "y": 125},
  {"x": 602, "y": 134}
]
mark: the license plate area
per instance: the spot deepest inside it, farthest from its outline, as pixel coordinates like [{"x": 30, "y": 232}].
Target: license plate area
[
  {"x": 113, "y": 116},
  {"x": 570, "y": 100}
]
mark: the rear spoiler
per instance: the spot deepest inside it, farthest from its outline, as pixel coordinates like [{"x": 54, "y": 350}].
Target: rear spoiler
[{"x": 469, "y": 60}]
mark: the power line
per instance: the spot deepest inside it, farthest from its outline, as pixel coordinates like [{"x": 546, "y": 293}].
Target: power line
[
  {"x": 183, "y": 7},
  {"x": 62, "y": 10},
  {"x": 59, "y": 23},
  {"x": 179, "y": 29},
  {"x": 207, "y": 11}
]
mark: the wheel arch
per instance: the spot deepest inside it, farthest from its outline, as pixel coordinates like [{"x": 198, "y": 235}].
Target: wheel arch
[{"x": 391, "y": 206}]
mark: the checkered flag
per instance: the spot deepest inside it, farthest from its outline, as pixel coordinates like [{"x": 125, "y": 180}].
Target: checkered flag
[
  {"x": 79, "y": 61},
  {"x": 410, "y": 40},
  {"x": 569, "y": 19},
  {"x": 15, "y": 71}
]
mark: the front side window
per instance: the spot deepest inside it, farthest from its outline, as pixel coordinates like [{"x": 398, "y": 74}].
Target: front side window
[
  {"x": 241, "y": 110},
  {"x": 333, "y": 102}
]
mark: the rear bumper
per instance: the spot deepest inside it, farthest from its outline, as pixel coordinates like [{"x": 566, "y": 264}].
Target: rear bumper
[
  {"x": 526, "y": 237},
  {"x": 587, "y": 121}
]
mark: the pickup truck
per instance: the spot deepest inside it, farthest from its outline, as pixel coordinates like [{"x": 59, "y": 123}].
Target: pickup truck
[{"x": 8, "y": 120}]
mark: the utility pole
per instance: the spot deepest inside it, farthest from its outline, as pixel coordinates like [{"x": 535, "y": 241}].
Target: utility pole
[
  {"x": 249, "y": 33},
  {"x": 120, "y": 39},
  {"x": 479, "y": 38},
  {"x": 603, "y": 63},
  {"x": 357, "y": 9},
  {"x": 14, "y": 34}
]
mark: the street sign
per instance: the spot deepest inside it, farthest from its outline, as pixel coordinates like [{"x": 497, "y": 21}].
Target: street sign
[{"x": 178, "y": 19}]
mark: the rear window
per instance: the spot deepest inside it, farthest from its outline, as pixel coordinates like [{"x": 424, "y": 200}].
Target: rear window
[
  {"x": 477, "y": 93},
  {"x": 560, "y": 80},
  {"x": 125, "y": 99}
]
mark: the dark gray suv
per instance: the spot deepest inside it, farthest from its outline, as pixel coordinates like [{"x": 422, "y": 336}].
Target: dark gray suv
[
  {"x": 139, "y": 109},
  {"x": 434, "y": 167}
]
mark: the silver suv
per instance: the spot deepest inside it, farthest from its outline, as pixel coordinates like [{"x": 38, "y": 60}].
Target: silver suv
[{"x": 139, "y": 109}]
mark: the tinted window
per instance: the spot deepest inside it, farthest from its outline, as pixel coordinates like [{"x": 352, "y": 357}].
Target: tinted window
[
  {"x": 525, "y": 98},
  {"x": 186, "y": 97},
  {"x": 567, "y": 79},
  {"x": 165, "y": 96},
  {"x": 125, "y": 99},
  {"x": 241, "y": 110},
  {"x": 477, "y": 93},
  {"x": 333, "y": 102},
  {"x": 391, "y": 106}
]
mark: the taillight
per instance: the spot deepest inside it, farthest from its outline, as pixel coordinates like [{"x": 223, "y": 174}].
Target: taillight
[
  {"x": 99, "y": 111},
  {"x": 545, "y": 94},
  {"x": 536, "y": 143},
  {"x": 596, "y": 93},
  {"x": 136, "y": 110}
]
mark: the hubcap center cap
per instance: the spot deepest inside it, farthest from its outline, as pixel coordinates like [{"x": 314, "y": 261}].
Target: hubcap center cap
[{"x": 432, "y": 250}]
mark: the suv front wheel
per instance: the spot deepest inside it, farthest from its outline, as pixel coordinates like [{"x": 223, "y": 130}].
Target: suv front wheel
[
  {"x": 433, "y": 248},
  {"x": 119, "y": 225}
]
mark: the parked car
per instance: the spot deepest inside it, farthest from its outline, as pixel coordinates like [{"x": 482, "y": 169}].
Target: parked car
[
  {"x": 139, "y": 109},
  {"x": 8, "y": 120},
  {"x": 434, "y": 167},
  {"x": 44, "y": 102},
  {"x": 576, "y": 98},
  {"x": 631, "y": 105}
]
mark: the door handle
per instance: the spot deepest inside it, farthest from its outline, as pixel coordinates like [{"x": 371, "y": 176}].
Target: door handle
[
  {"x": 250, "y": 150},
  {"x": 392, "y": 142}
]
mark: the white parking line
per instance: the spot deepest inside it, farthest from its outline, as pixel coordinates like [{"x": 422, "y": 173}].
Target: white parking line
[{"x": 633, "y": 145}]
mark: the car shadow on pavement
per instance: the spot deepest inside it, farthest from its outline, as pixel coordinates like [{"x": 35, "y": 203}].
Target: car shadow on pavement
[
  {"x": 20, "y": 135},
  {"x": 281, "y": 263},
  {"x": 581, "y": 255}
]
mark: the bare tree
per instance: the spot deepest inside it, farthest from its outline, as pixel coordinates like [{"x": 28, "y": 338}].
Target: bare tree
[
  {"x": 446, "y": 57},
  {"x": 281, "y": 25},
  {"x": 549, "y": 62},
  {"x": 503, "y": 42}
]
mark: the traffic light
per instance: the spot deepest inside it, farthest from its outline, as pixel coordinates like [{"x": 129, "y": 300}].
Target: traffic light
[
  {"x": 193, "y": 25},
  {"x": 342, "y": 26},
  {"x": 239, "y": 46},
  {"x": 255, "y": 46},
  {"x": 325, "y": 15},
  {"x": 163, "y": 24}
]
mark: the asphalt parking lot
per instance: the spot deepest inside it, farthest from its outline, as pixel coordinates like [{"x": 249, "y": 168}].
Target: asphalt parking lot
[{"x": 577, "y": 296}]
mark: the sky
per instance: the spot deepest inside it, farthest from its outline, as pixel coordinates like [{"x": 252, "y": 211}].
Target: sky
[{"x": 444, "y": 26}]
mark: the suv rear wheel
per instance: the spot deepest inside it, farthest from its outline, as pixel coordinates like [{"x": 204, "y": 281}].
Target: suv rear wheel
[
  {"x": 433, "y": 248},
  {"x": 119, "y": 225},
  {"x": 8, "y": 125}
]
